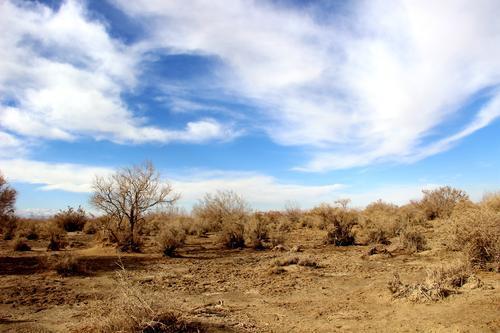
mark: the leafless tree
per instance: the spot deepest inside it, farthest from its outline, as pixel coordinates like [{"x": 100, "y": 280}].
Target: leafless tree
[{"x": 126, "y": 196}]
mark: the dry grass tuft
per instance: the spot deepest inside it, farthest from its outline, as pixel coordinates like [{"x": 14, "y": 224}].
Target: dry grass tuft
[
  {"x": 296, "y": 260},
  {"x": 440, "y": 283},
  {"x": 135, "y": 309}
]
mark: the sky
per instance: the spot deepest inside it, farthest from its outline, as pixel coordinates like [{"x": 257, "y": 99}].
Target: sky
[{"x": 279, "y": 101}]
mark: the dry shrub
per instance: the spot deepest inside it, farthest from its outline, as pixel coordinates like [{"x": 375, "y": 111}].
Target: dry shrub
[
  {"x": 439, "y": 203},
  {"x": 412, "y": 240},
  {"x": 20, "y": 244},
  {"x": 172, "y": 215},
  {"x": 379, "y": 222},
  {"x": 257, "y": 232},
  {"x": 293, "y": 212},
  {"x": 440, "y": 283},
  {"x": 223, "y": 207},
  {"x": 91, "y": 226},
  {"x": 57, "y": 238},
  {"x": 170, "y": 239},
  {"x": 71, "y": 219},
  {"x": 68, "y": 265},
  {"x": 226, "y": 212},
  {"x": 475, "y": 230},
  {"x": 8, "y": 226},
  {"x": 232, "y": 235},
  {"x": 135, "y": 309},
  {"x": 29, "y": 228},
  {"x": 339, "y": 223},
  {"x": 491, "y": 201}
]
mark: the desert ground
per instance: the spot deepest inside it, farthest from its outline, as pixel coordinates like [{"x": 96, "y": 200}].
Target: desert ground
[{"x": 214, "y": 289}]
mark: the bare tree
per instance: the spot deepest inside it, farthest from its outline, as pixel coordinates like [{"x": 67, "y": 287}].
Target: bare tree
[
  {"x": 126, "y": 196},
  {"x": 7, "y": 201}
]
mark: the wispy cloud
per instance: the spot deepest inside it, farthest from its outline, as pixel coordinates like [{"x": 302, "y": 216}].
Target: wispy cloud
[
  {"x": 368, "y": 84},
  {"x": 62, "y": 77}
]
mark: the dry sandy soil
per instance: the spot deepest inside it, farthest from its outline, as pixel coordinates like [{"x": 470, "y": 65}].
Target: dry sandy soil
[{"x": 236, "y": 291}]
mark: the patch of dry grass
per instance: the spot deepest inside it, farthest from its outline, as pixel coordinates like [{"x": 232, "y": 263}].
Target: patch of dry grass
[
  {"x": 440, "y": 282},
  {"x": 134, "y": 309}
]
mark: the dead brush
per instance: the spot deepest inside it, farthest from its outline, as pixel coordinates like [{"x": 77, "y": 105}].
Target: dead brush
[
  {"x": 340, "y": 228},
  {"x": 475, "y": 230},
  {"x": 232, "y": 235},
  {"x": 57, "y": 238},
  {"x": 256, "y": 233},
  {"x": 440, "y": 283},
  {"x": 134, "y": 309},
  {"x": 68, "y": 265},
  {"x": 19, "y": 244},
  {"x": 170, "y": 239},
  {"x": 296, "y": 260},
  {"x": 412, "y": 240}
]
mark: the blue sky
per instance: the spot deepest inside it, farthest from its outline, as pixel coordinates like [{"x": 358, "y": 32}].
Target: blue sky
[{"x": 304, "y": 101}]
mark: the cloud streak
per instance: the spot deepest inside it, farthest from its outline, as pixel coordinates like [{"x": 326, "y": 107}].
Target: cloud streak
[
  {"x": 62, "y": 77},
  {"x": 262, "y": 191},
  {"x": 373, "y": 83}
]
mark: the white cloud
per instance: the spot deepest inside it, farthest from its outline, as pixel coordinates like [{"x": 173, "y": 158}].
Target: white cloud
[
  {"x": 52, "y": 176},
  {"x": 9, "y": 145},
  {"x": 371, "y": 84},
  {"x": 260, "y": 190},
  {"x": 65, "y": 76}
]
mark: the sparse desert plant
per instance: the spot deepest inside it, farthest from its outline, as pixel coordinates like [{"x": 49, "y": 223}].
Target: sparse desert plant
[
  {"x": 29, "y": 228},
  {"x": 475, "y": 230},
  {"x": 295, "y": 260},
  {"x": 223, "y": 207},
  {"x": 439, "y": 203},
  {"x": 226, "y": 212},
  {"x": 339, "y": 224},
  {"x": 293, "y": 212},
  {"x": 91, "y": 226},
  {"x": 68, "y": 265},
  {"x": 20, "y": 244},
  {"x": 440, "y": 282},
  {"x": 256, "y": 232},
  {"x": 379, "y": 222},
  {"x": 170, "y": 239},
  {"x": 126, "y": 197},
  {"x": 71, "y": 219},
  {"x": 232, "y": 235},
  {"x": 57, "y": 238},
  {"x": 412, "y": 240}
]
